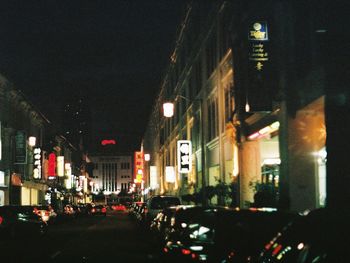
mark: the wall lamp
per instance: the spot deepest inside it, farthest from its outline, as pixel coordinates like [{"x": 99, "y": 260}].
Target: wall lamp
[{"x": 32, "y": 141}]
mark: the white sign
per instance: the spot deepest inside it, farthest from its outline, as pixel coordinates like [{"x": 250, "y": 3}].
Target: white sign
[
  {"x": 0, "y": 141},
  {"x": 184, "y": 156},
  {"x": 170, "y": 174},
  {"x": 2, "y": 178},
  {"x": 37, "y": 163},
  {"x": 2, "y": 198},
  {"x": 60, "y": 166},
  {"x": 153, "y": 177}
]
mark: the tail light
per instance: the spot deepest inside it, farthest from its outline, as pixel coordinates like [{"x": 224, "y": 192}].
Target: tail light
[
  {"x": 1, "y": 220},
  {"x": 186, "y": 251},
  {"x": 104, "y": 210},
  {"x": 93, "y": 210}
]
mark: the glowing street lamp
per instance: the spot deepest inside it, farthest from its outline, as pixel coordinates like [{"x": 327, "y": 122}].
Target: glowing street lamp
[
  {"x": 32, "y": 141},
  {"x": 168, "y": 109}
]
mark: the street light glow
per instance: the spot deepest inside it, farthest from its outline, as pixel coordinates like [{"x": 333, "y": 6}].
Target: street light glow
[{"x": 168, "y": 109}]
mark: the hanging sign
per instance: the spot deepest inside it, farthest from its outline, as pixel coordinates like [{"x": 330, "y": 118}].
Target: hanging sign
[
  {"x": 37, "y": 163},
  {"x": 184, "y": 156},
  {"x": 52, "y": 166},
  {"x": 257, "y": 47},
  {"x": 138, "y": 172},
  {"x": 60, "y": 166},
  {"x": 20, "y": 147}
]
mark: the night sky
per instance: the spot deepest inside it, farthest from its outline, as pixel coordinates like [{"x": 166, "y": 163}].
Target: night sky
[{"x": 114, "y": 53}]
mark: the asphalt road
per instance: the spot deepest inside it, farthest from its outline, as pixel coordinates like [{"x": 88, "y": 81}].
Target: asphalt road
[{"x": 114, "y": 238}]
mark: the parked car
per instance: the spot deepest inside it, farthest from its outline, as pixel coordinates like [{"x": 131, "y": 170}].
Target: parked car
[
  {"x": 158, "y": 202},
  {"x": 224, "y": 235},
  {"x": 99, "y": 210},
  {"x": 20, "y": 222},
  {"x": 322, "y": 236}
]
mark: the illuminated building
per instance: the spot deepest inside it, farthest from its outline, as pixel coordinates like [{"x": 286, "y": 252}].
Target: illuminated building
[{"x": 258, "y": 98}]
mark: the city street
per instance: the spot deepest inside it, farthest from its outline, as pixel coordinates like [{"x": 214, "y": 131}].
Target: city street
[{"x": 115, "y": 238}]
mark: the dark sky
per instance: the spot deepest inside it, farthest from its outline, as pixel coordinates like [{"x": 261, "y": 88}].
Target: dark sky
[{"x": 113, "y": 52}]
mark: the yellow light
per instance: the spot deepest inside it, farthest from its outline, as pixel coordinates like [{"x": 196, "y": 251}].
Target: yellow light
[
  {"x": 265, "y": 130},
  {"x": 275, "y": 125}
]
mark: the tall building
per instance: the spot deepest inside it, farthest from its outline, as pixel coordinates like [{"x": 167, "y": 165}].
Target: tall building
[
  {"x": 76, "y": 121},
  {"x": 248, "y": 86}
]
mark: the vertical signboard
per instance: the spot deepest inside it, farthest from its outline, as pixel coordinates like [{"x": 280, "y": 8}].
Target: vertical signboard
[
  {"x": 68, "y": 173},
  {"x": 261, "y": 83},
  {"x": 153, "y": 177},
  {"x": 37, "y": 163},
  {"x": 184, "y": 156},
  {"x": 20, "y": 147},
  {"x": 138, "y": 168},
  {"x": 257, "y": 36},
  {"x": 60, "y": 166},
  {"x": 0, "y": 143},
  {"x": 170, "y": 174},
  {"x": 52, "y": 166}
]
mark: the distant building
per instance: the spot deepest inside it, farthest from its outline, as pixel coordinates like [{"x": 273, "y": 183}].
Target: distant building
[{"x": 112, "y": 173}]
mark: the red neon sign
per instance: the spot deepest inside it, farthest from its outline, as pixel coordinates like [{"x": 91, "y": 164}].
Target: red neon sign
[
  {"x": 52, "y": 165},
  {"x": 106, "y": 142}
]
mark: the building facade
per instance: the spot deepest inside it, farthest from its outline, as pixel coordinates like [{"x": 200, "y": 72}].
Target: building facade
[
  {"x": 34, "y": 159},
  {"x": 247, "y": 86},
  {"x": 112, "y": 173}
]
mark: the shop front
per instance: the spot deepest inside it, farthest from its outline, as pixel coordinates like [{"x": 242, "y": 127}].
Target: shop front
[{"x": 260, "y": 163}]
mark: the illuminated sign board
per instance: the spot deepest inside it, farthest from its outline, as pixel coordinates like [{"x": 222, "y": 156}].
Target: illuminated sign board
[
  {"x": 2, "y": 178},
  {"x": 60, "y": 166},
  {"x": 170, "y": 174},
  {"x": 138, "y": 167},
  {"x": 68, "y": 173},
  {"x": 184, "y": 156},
  {"x": 0, "y": 142},
  {"x": 153, "y": 177},
  {"x": 258, "y": 31},
  {"x": 37, "y": 163},
  {"x": 106, "y": 142},
  {"x": 257, "y": 51},
  {"x": 52, "y": 165}
]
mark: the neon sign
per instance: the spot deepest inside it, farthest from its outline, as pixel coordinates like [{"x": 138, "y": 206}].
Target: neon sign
[
  {"x": 52, "y": 165},
  {"x": 106, "y": 142}
]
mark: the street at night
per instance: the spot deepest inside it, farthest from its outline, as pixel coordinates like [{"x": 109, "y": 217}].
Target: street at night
[
  {"x": 114, "y": 238},
  {"x": 174, "y": 131}
]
